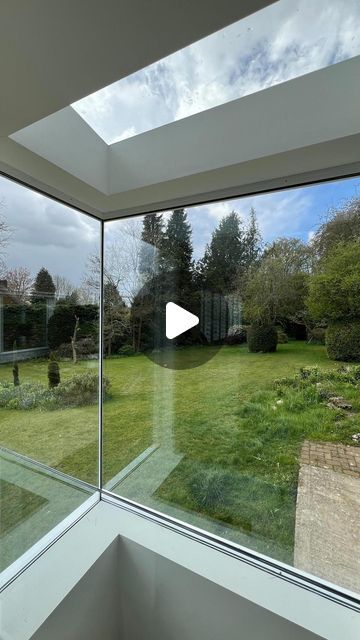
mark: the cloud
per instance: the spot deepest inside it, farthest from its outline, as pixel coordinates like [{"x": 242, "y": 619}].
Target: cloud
[
  {"x": 287, "y": 39},
  {"x": 46, "y": 233}
]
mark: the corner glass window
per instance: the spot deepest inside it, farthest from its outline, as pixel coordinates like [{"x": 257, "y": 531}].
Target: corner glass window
[
  {"x": 49, "y": 365},
  {"x": 232, "y": 368}
]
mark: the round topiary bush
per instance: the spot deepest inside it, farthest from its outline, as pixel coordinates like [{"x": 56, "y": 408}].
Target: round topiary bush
[
  {"x": 343, "y": 341},
  {"x": 262, "y": 338}
]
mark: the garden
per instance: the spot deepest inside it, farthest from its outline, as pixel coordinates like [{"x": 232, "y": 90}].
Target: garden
[{"x": 287, "y": 373}]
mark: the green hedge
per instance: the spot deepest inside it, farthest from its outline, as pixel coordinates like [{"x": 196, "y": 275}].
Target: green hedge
[
  {"x": 262, "y": 339},
  {"x": 62, "y": 322},
  {"x": 343, "y": 341},
  {"x": 24, "y": 325}
]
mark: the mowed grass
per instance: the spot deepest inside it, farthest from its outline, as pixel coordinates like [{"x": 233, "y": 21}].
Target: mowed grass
[{"x": 240, "y": 448}]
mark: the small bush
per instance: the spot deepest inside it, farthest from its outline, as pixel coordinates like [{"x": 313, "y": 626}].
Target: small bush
[
  {"x": 15, "y": 372},
  {"x": 282, "y": 337},
  {"x": 26, "y": 396},
  {"x": 126, "y": 350},
  {"x": 343, "y": 341},
  {"x": 317, "y": 335},
  {"x": 236, "y": 334},
  {"x": 81, "y": 389},
  {"x": 53, "y": 373},
  {"x": 84, "y": 347},
  {"x": 262, "y": 338},
  {"x": 209, "y": 488}
]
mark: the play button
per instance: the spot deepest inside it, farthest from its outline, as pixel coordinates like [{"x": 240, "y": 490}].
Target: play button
[{"x": 178, "y": 320}]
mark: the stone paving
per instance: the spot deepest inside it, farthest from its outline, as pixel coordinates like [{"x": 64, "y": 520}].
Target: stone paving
[
  {"x": 327, "y": 531},
  {"x": 330, "y": 455}
]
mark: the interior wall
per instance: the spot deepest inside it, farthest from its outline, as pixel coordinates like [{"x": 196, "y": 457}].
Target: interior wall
[
  {"x": 132, "y": 593},
  {"x": 161, "y": 600},
  {"x": 91, "y": 609}
]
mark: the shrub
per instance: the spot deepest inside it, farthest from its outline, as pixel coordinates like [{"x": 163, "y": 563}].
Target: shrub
[
  {"x": 62, "y": 322},
  {"x": 262, "y": 338},
  {"x": 209, "y": 488},
  {"x": 317, "y": 335},
  {"x": 84, "y": 347},
  {"x": 79, "y": 390},
  {"x": 236, "y": 334},
  {"x": 27, "y": 396},
  {"x": 343, "y": 341},
  {"x": 127, "y": 350},
  {"x": 282, "y": 337},
  {"x": 15, "y": 372},
  {"x": 53, "y": 373}
]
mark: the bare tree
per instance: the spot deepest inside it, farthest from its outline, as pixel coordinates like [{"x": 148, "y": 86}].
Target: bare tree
[
  {"x": 19, "y": 283},
  {"x": 63, "y": 287},
  {"x": 121, "y": 262},
  {"x": 5, "y": 235}
]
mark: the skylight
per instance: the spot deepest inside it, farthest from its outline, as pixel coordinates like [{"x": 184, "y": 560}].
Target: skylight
[{"x": 285, "y": 40}]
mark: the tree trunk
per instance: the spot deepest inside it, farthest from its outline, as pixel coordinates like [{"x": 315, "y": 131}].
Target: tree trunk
[{"x": 73, "y": 339}]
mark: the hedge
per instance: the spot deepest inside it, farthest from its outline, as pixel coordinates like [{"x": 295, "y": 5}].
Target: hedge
[
  {"x": 262, "y": 338},
  {"x": 62, "y": 322},
  {"x": 343, "y": 341}
]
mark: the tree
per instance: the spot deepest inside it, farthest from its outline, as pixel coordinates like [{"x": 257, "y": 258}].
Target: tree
[
  {"x": 276, "y": 288},
  {"x": 19, "y": 284},
  {"x": 252, "y": 242},
  {"x": 334, "y": 291},
  {"x": 65, "y": 290},
  {"x": 342, "y": 225},
  {"x": 152, "y": 236},
  {"x": 5, "y": 235},
  {"x": 44, "y": 288},
  {"x": 176, "y": 253},
  {"x": 73, "y": 339},
  {"x": 116, "y": 316},
  {"x": 225, "y": 255}
]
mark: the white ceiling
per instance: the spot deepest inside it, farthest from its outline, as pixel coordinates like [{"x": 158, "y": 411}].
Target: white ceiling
[
  {"x": 301, "y": 130},
  {"x": 54, "y": 52}
]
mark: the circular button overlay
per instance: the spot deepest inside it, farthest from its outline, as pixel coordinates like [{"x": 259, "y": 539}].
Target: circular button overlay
[{"x": 182, "y": 327}]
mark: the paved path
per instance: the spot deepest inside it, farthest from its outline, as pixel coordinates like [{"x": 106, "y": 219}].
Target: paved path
[{"x": 327, "y": 531}]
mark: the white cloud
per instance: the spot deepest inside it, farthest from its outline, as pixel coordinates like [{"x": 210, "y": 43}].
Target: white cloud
[
  {"x": 284, "y": 40},
  {"x": 46, "y": 233}
]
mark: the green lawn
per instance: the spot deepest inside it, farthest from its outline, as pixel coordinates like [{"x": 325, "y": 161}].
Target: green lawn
[{"x": 240, "y": 447}]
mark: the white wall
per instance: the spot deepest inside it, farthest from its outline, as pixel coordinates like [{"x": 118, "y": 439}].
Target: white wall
[{"x": 132, "y": 593}]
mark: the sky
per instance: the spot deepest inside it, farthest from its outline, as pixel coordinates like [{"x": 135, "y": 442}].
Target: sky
[
  {"x": 47, "y": 233},
  {"x": 283, "y": 41}
]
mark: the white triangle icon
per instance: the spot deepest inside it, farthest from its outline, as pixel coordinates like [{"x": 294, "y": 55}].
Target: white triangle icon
[{"x": 178, "y": 320}]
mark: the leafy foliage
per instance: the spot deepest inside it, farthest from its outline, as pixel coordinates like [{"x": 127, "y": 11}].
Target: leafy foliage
[
  {"x": 236, "y": 334},
  {"x": 44, "y": 288},
  {"x": 61, "y": 323},
  {"x": 79, "y": 390},
  {"x": 262, "y": 338},
  {"x": 53, "y": 373},
  {"x": 343, "y": 341},
  {"x": 342, "y": 227},
  {"x": 25, "y": 396},
  {"x": 276, "y": 288},
  {"x": 334, "y": 293}
]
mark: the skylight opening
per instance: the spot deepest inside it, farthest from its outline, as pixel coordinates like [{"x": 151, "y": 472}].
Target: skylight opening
[{"x": 288, "y": 39}]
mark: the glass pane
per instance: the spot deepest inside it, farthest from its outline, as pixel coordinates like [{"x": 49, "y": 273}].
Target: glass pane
[
  {"x": 246, "y": 423},
  {"x": 285, "y": 40},
  {"x": 48, "y": 365}
]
